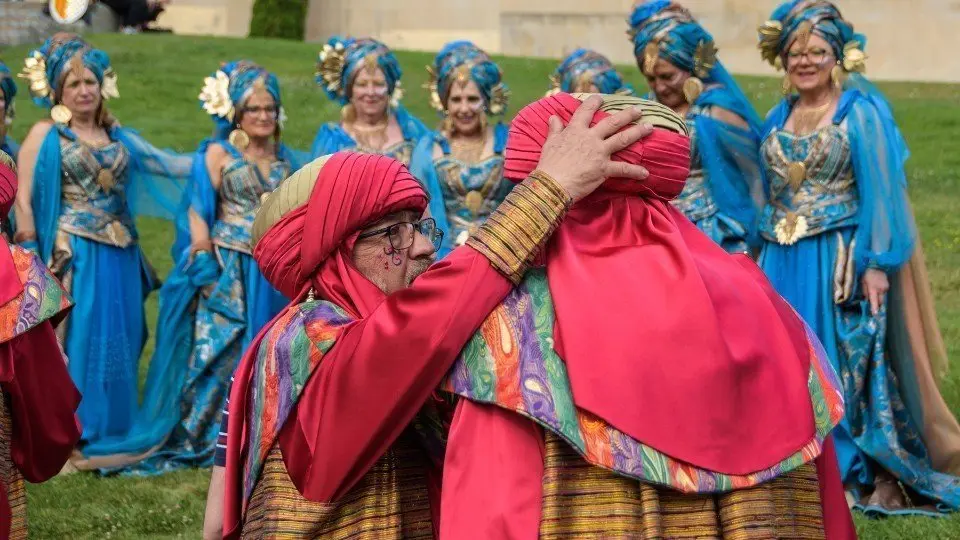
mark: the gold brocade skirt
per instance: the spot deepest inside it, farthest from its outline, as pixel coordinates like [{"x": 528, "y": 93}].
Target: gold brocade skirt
[
  {"x": 389, "y": 503},
  {"x": 10, "y": 477},
  {"x": 584, "y": 501}
]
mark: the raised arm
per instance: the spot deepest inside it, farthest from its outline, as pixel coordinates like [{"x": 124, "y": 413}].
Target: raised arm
[{"x": 382, "y": 368}]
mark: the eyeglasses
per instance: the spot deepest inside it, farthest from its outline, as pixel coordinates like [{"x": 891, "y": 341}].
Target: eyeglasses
[
  {"x": 269, "y": 110},
  {"x": 814, "y": 56},
  {"x": 401, "y": 234}
]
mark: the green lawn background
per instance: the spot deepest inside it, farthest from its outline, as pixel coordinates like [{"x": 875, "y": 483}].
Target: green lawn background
[{"x": 160, "y": 77}]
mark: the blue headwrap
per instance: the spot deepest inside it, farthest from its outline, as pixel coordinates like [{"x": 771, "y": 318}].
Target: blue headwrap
[
  {"x": 584, "y": 67},
  {"x": 460, "y": 59},
  {"x": 675, "y": 35},
  {"x": 7, "y": 86},
  {"x": 46, "y": 67},
  {"x": 226, "y": 90},
  {"x": 819, "y": 17},
  {"x": 341, "y": 59}
]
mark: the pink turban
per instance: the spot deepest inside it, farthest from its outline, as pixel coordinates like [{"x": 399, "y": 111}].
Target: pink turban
[{"x": 307, "y": 228}]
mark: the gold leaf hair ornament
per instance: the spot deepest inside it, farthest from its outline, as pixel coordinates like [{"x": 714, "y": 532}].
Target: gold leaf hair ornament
[
  {"x": 854, "y": 59},
  {"x": 215, "y": 96},
  {"x": 432, "y": 86},
  {"x": 397, "y": 95},
  {"x": 499, "y": 97},
  {"x": 109, "y": 89},
  {"x": 35, "y": 72},
  {"x": 704, "y": 58},
  {"x": 651, "y": 53},
  {"x": 332, "y": 59},
  {"x": 769, "y": 44}
]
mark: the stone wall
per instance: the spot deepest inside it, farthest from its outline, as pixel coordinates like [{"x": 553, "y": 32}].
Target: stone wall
[{"x": 908, "y": 39}]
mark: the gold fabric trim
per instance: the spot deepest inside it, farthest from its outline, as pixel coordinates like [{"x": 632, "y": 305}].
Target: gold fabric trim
[
  {"x": 655, "y": 114},
  {"x": 583, "y": 501},
  {"x": 10, "y": 477},
  {"x": 292, "y": 193},
  {"x": 389, "y": 503},
  {"x": 516, "y": 231}
]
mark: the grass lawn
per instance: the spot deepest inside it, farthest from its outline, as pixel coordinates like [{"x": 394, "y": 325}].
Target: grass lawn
[{"x": 160, "y": 77}]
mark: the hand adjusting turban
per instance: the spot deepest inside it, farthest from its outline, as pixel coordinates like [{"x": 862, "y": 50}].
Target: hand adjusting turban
[{"x": 656, "y": 322}]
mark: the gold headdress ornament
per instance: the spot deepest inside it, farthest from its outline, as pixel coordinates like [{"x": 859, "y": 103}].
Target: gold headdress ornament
[
  {"x": 432, "y": 86},
  {"x": 769, "y": 44},
  {"x": 499, "y": 96},
  {"x": 651, "y": 53},
  {"x": 555, "y": 85},
  {"x": 854, "y": 59},
  {"x": 499, "y": 93},
  {"x": 215, "y": 96},
  {"x": 35, "y": 72},
  {"x": 704, "y": 58},
  {"x": 330, "y": 67}
]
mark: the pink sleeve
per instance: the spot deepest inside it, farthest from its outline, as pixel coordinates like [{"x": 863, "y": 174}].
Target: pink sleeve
[
  {"x": 492, "y": 475},
  {"x": 382, "y": 369}
]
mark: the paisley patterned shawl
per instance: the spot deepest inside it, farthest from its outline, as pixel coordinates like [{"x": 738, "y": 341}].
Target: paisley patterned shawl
[
  {"x": 510, "y": 362},
  {"x": 43, "y": 297},
  {"x": 288, "y": 355}
]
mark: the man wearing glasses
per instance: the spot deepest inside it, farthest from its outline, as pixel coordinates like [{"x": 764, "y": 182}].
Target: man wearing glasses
[{"x": 320, "y": 439}]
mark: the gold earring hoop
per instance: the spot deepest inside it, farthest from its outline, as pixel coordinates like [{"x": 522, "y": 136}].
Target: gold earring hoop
[
  {"x": 838, "y": 75},
  {"x": 61, "y": 114},
  {"x": 239, "y": 139},
  {"x": 786, "y": 87}
]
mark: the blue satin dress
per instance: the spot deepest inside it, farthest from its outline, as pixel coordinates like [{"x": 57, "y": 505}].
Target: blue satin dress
[
  {"x": 820, "y": 234},
  {"x": 97, "y": 256},
  {"x": 212, "y": 306}
]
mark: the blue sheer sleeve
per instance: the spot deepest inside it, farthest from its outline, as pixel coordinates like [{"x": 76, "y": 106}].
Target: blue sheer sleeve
[
  {"x": 886, "y": 233},
  {"x": 411, "y": 126},
  {"x": 423, "y": 169},
  {"x": 296, "y": 158},
  {"x": 731, "y": 162},
  {"x": 331, "y": 138},
  {"x": 46, "y": 193},
  {"x": 158, "y": 177}
]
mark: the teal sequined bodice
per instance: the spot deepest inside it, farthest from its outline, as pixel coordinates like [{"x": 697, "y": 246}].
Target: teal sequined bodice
[
  {"x": 471, "y": 192},
  {"x": 402, "y": 151},
  {"x": 241, "y": 188},
  {"x": 825, "y": 198},
  {"x": 93, "y": 191},
  {"x": 695, "y": 201}
]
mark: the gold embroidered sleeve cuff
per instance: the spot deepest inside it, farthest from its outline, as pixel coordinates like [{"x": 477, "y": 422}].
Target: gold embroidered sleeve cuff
[{"x": 514, "y": 234}]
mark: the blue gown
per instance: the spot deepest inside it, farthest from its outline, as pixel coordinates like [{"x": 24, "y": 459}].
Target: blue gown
[
  {"x": 332, "y": 138},
  {"x": 851, "y": 213},
  {"x": 84, "y": 202},
  {"x": 211, "y": 308},
  {"x": 449, "y": 180},
  {"x": 724, "y": 190}
]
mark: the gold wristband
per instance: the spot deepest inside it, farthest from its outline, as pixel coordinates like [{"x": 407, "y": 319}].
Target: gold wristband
[{"x": 513, "y": 235}]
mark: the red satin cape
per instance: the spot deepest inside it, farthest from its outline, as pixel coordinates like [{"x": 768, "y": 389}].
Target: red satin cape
[{"x": 666, "y": 336}]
